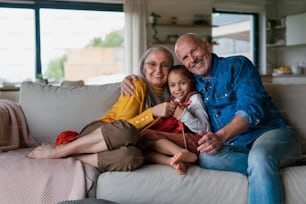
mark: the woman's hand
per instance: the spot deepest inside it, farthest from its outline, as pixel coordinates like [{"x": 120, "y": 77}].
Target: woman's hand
[
  {"x": 127, "y": 87},
  {"x": 165, "y": 109}
]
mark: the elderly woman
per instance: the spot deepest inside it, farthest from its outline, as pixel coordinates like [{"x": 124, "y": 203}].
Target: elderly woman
[{"x": 109, "y": 143}]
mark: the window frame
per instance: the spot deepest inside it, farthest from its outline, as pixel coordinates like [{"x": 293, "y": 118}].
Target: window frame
[{"x": 36, "y": 5}]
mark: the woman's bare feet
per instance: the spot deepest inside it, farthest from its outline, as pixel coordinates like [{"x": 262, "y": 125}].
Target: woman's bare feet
[{"x": 44, "y": 151}]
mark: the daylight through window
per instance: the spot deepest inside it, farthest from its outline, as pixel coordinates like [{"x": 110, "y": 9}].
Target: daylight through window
[{"x": 72, "y": 44}]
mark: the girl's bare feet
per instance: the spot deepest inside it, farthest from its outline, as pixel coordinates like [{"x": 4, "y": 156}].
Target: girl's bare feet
[
  {"x": 180, "y": 167},
  {"x": 179, "y": 160},
  {"x": 186, "y": 157},
  {"x": 44, "y": 151}
]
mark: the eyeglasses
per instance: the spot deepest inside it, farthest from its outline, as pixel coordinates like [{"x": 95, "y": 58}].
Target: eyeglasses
[{"x": 154, "y": 65}]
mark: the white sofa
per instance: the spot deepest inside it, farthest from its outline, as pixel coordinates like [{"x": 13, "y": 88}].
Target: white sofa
[{"x": 50, "y": 109}]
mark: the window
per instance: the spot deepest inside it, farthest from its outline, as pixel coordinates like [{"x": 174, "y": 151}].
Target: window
[
  {"x": 17, "y": 44},
  {"x": 62, "y": 41},
  {"x": 235, "y": 34}
]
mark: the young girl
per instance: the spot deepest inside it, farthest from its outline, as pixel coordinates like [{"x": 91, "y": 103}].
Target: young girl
[{"x": 173, "y": 139}]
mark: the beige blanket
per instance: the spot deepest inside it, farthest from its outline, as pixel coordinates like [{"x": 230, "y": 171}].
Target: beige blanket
[
  {"x": 13, "y": 129},
  {"x": 24, "y": 180}
]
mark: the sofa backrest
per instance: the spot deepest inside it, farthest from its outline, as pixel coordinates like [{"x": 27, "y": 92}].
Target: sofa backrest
[
  {"x": 290, "y": 100},
  {"x": 51, "y": 109}
]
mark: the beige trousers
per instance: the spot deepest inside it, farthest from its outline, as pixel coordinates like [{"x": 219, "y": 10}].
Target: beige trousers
[{"x": 121, "y": 139}]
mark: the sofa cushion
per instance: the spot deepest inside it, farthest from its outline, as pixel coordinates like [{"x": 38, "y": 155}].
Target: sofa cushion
[
  {"x": 160, "y": 184},
  {"x": 294, "y": 179},
  {"x": 50, "y": 109}
]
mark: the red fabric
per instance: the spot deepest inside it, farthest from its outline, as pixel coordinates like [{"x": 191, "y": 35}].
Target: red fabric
[
  {"x": 66, "y": 137},
  {"x": 170, "y": 124},
  {"x": 148, "y": 137},
  {"x": 185, "y": 104},
  {"x": 170, "y": 129}
]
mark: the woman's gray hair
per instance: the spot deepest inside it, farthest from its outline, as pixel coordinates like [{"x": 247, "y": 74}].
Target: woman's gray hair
[
  {"x": 151, "y": 49},
  {"x": 152, "y": 98}
]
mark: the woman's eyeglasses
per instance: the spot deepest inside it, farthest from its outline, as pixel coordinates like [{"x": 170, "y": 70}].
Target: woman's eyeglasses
[{"x": 154, "y": 65}]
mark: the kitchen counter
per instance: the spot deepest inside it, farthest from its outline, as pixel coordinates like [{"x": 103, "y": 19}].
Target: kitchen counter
[{"x": 289, "y": 79}]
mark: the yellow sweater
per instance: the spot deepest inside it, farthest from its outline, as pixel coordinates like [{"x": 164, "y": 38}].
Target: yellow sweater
[{"x": 132, "y": 108}]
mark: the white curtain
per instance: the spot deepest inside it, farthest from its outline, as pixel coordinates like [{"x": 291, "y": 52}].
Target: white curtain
[{"x": 135, "y": 33}]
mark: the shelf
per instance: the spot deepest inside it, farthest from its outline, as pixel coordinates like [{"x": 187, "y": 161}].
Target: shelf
[
  {"x": 183, "y": 25},
  {"x": 276, "y": 45},
  {"x": 170, "y": 43},
  {"x": 166, "y": 33},
  {"x": 276, "y": 36},
  {"x": 276, "y": 28},
  {"x": 161, "y": 43},
  {"x": 289, "y": 79},
  {"x": 290, "y": 75}
]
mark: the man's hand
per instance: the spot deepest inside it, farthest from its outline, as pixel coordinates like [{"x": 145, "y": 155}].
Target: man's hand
[
  {"x": 212, "y": 142},
  {"x": 127, "y": 87},
  {"x": 209, "y": 143}
]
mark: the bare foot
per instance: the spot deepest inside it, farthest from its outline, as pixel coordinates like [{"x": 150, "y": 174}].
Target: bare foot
[
  {"x": 186, "y": 157},
  {"x": 180, "y": 167},
  {"x": 44, "y": 151}
]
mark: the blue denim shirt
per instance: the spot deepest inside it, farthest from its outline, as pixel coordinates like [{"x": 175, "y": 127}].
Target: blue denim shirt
[{"x": 234, "y": 87}]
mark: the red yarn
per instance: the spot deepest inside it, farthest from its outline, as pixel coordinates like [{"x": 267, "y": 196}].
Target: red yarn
[{"x": 66, "y": 137}]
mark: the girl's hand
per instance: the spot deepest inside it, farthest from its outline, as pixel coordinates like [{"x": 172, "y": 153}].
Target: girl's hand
[
  {"x": 180, "y": 107},
  {"x": 179, "y": 110}
]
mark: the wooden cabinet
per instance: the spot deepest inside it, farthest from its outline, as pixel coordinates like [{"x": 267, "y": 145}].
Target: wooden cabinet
[{"x": 296, "y": 29}]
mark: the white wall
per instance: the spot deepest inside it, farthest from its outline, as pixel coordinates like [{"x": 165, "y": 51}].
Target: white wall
[
  {"x": 182, "y": 9},
  {"x": 290, "y": 7},
  {"x": 185, "y": 11},
  {"x": 289, "y": 55},
  {"x": 292, "y": 55}
]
